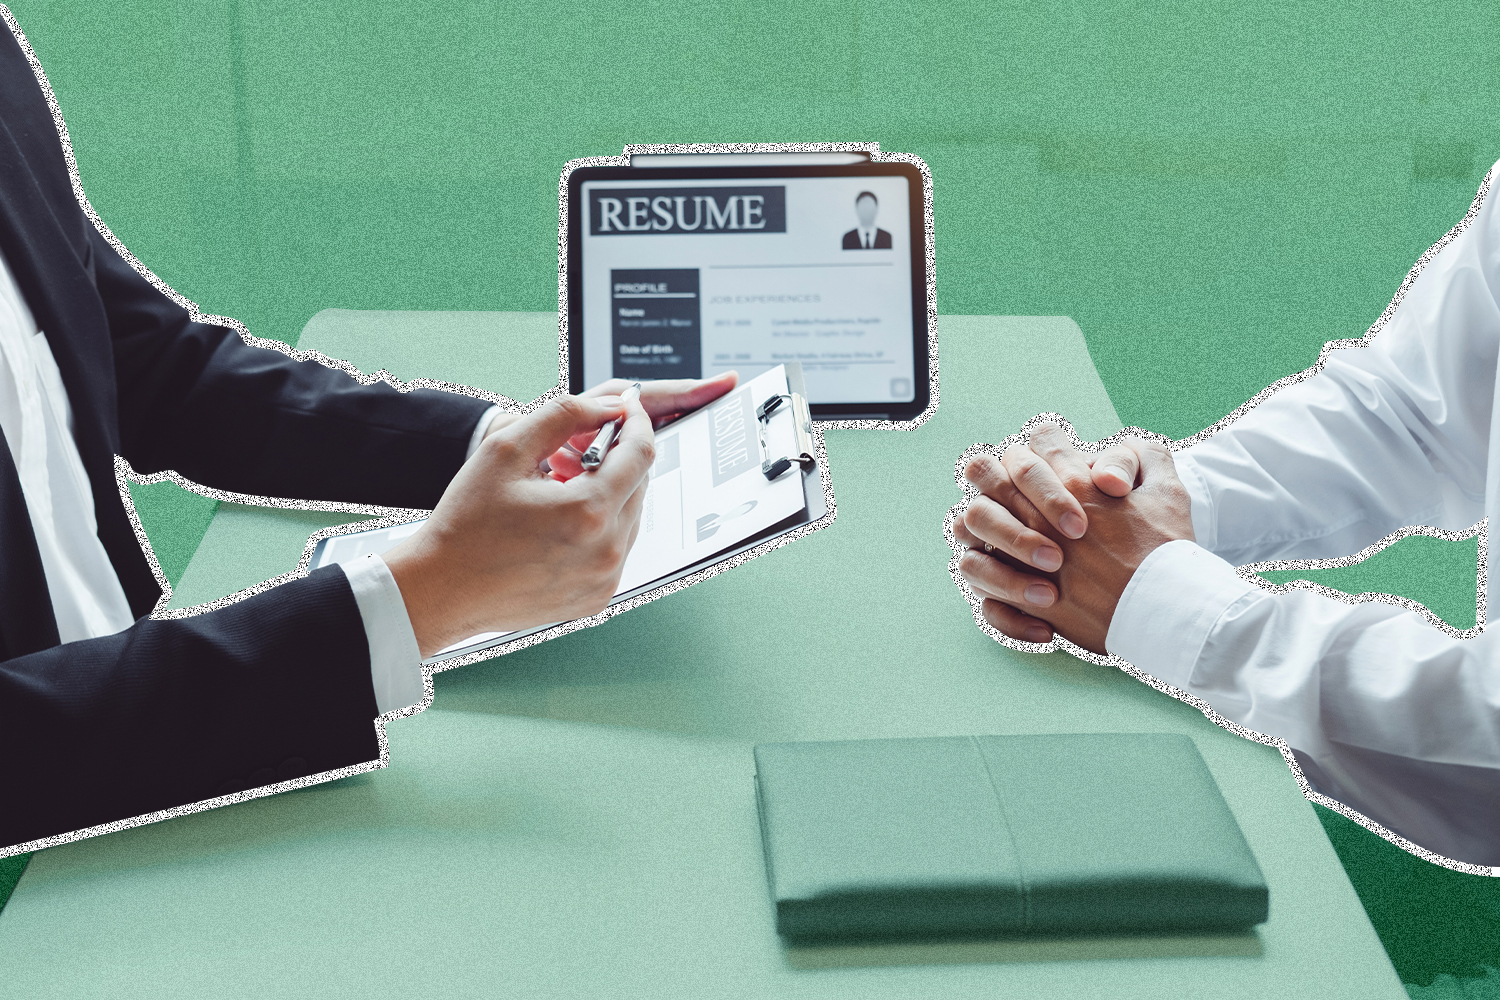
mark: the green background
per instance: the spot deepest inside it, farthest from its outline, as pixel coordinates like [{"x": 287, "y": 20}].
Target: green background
[{"x": 1211, "y": 191}]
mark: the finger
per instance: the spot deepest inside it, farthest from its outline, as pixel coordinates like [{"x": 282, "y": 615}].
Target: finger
[
  {"x": 545, "y": 430},
  {"x": 1047, "y": 471},
  {"x": 992, "y": 577},
  {"x": 992, "y": 523},
  {"x": 1155, "y": 460},
  {"x": 660, "y": 420},
  {"x": 1116, "y": 469},
  {"x": 629, "y": 462},
  {"x": 1038, "y": 482},
  {"x": 668, "y": 397},
  {"x": 1053, "y": 445},
  {"x": 1010, "y": 621},
  {"x": 565, "y": 464},
  {"x": 989, "y": 475},
  {"x": 672, "y": 397},
  {"x": 965, "y": 537},
  {"x": 1016, "y": 624}
]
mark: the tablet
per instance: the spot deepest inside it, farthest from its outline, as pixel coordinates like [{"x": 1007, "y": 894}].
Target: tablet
[{"x": 687, "y": 271}]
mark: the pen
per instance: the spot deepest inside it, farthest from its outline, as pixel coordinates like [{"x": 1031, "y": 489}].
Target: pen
[{"x": 594, "y": 454}]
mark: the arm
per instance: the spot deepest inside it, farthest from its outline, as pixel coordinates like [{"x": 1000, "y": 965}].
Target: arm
[
  {"x": 198, "y": 399},
  {"x": 172, "y": 712},
  {"x": 1385, "y": 713},
  {"x": 1387, "y": 435}
]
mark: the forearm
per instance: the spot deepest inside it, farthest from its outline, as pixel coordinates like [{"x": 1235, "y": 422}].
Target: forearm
[
  {"x": 1389, "y": 434},
  {"x": 196, "y": 398},
  {"x": 260, "y": 423},
  {"x": 1324, "y": 469},
  {"x": 173, "y": 712},
  {"x": 1347, "y": 686}
]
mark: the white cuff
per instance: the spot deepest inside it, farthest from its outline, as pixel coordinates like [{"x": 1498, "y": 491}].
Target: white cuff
[
  {"x": 1202, "y": 509},
  {"x": 480, "y": 428},
  {"x": 395, "y": 661},
  {"x": 1172, "y": 603}
]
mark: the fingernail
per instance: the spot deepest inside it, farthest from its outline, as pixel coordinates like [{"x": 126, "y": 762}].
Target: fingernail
[
  {"x": 1118, "y": 473},
  {"x": 1035, "y": 633},
  {"x": 1071, "y": 524},
  {"x": 1039, "y": 595},
  {"x": 1046, "y": 558},
  {"x": 610, "y": 400}
]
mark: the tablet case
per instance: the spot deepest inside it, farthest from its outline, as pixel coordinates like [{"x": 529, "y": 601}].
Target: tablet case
[
  {"x": 995, "y": 835},
  {"x": 704, "y": 167}
]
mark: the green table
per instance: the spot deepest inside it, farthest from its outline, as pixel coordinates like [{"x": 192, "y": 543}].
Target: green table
[{"x": 578, "y": 818}]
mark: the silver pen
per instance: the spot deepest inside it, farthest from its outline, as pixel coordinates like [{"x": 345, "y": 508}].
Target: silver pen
[{"x": 594, "y": 454}]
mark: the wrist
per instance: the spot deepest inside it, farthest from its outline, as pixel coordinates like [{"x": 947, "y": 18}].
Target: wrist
[
  {"x": 432, "y": 613},
  {"x": 499, "y": 422}
]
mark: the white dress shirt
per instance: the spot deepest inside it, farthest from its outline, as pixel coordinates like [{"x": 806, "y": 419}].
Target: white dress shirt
[
  {"x": 1387, "y": 713},
  {"x": 87, "y": 599}
]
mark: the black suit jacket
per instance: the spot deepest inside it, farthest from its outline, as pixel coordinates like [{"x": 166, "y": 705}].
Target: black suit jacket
[
  {"x": 173, "y": 712},
  {"x": 882, "y": 240}
]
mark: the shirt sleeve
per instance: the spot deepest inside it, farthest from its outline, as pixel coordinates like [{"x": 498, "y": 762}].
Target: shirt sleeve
[
  {"x": 395, "y": 661},
  {"x": 1384, "y": 712},
  {"x": 480, "y": 428},
  {"x": 1389, "y": 434}
]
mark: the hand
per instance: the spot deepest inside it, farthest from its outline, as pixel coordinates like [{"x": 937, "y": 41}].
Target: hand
[
  {"x": 509, "y": 546},
  {"x": 1079, "y": 598},
  {"x": 1021, "y": 473},
  {"x": 664, "y": 399}
]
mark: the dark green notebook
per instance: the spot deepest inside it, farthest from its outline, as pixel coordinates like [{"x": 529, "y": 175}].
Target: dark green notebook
[{"x": 1100, "y": 833}]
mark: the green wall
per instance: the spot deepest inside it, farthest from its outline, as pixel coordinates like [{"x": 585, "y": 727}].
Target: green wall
[{"x": 1211, "y": 190}]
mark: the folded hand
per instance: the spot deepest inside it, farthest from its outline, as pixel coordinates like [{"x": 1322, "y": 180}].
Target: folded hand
[{"x": 1055, "y": 537}]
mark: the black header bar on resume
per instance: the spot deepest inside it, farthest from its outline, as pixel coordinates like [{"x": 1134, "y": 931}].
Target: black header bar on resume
[{"x": 665, "y": 211}]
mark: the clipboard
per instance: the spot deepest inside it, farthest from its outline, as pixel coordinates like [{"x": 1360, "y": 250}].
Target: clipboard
[{"x": 787, "y": 450}]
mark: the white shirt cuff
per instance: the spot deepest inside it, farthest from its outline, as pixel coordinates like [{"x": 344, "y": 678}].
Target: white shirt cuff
[
  {"x": 395, "y": 660},
  {"x": 1172, "y": 603},
  {"x": 1197, "y": 488},
  {"x": 480, "y": 428}
]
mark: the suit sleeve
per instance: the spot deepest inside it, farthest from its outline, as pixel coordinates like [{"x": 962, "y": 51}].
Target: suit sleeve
[
  {"x": 172, "y": 712},
  {"x": 197, "y": 399}
]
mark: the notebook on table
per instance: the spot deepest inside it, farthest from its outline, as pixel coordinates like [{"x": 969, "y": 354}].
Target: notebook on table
[{"x": 1102, "y": 833}]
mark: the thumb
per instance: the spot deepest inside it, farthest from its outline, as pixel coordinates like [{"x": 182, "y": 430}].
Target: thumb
[{"x": 539, "y": 434}]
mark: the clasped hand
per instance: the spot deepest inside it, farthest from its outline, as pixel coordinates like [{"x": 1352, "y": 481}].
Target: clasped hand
[{"x": 1065, "y": 532}]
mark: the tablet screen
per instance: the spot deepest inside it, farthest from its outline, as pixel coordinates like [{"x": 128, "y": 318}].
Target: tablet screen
[{"x": 692, "y": 277}]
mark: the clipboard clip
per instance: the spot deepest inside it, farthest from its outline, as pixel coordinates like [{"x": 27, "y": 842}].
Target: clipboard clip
[{"x": 796, "y": 405}]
